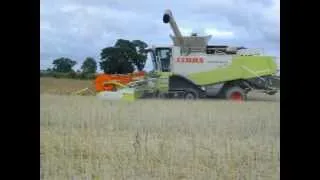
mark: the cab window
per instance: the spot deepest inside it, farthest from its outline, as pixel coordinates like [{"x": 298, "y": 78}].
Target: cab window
[{"x": 164, "y": 56}]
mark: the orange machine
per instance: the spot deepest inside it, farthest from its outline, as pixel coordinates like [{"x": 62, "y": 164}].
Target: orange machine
[{"x": 123, "y": 79}]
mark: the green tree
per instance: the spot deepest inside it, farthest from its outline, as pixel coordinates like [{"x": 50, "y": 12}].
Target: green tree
[
  {"x": 123, "y": 56},
  {"x": 114, "y": 60},
  {"x": 89, "y": 65},
  {"x": 141, "y": 55},
  {"x": 63, "y": 65}
]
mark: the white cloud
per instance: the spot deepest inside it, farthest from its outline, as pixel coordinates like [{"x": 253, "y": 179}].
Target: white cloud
[
  {"x": 45, "y": 26},
  {"x": 81, "y": 28},
  {"x": 185, "y": 31},
  {"x": 219, "y": 34},
  {"x": 69, "y": 8}
]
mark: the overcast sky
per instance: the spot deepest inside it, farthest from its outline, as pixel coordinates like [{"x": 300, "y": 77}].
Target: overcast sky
[{"x": 81, "y": 28}]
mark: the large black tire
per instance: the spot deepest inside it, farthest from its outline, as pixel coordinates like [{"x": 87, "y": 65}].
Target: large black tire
[
  {"x": 235, "y": 93},
  {"x": 191, "y": 95},
  {"x": 160, "y": 95}
]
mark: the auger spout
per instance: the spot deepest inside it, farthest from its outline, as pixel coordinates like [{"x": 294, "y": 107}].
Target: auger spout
[{"x": 168, "y": 18}]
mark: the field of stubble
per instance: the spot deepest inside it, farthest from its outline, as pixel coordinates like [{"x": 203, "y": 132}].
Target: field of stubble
[{"x": 85, "y": 138}]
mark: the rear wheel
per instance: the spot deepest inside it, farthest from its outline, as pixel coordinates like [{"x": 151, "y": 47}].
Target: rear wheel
[{"x": 236, "y": 94}]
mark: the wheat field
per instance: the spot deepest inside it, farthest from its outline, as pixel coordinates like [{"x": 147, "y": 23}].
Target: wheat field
[{"x": 83, "y": 137}]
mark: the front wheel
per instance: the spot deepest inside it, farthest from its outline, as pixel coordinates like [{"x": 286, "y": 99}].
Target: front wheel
[
  {"x": 236, "y": 94},
  {"x": 190, "y": 95},
  {"x": 161, "y": 95}
]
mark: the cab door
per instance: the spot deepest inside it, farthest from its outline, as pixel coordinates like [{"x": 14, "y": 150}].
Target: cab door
[{"x": 163, "y": 56}]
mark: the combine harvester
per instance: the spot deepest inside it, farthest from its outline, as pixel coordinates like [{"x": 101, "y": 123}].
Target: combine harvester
[{"x": 192, "y": 69}]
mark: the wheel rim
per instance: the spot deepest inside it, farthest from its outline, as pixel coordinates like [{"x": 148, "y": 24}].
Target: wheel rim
[
  {"x": 189, "y": 96},
  {"x": 161, "y": 96},
  {"x": 236, "y": 96}
]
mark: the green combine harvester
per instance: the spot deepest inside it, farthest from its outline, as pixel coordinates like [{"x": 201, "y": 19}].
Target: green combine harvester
[{"x": 192, "y": 69}]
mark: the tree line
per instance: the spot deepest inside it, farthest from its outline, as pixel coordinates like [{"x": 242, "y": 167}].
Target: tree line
[{"x": 123, "y": 57}]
